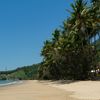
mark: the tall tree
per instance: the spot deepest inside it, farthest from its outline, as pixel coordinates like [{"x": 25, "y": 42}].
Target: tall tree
[{"x": 69, "y": 54}]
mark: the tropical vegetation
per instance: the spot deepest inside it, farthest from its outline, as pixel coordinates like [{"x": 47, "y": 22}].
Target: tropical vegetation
[
  {"x": 72, "y": 53},
  {"x": 23, "y": 73}
]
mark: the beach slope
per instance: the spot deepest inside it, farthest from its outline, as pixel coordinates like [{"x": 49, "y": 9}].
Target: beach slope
[{"x": 32, "y": 90}]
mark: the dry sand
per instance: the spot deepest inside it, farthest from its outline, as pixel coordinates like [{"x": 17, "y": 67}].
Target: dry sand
[
  {"x": 52, "y": 90},
  {"x": 32, "y": 90},
  {"x": 83, "y": 90}
]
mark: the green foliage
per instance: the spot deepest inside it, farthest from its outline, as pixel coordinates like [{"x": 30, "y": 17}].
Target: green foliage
[
  {"x": 70, "y": 54},
  {"x": 2, "y": 77},
  {"x": 24, "y": 73}
]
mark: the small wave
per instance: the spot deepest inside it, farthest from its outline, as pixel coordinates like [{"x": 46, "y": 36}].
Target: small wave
[{"x": 11, "y": 83}]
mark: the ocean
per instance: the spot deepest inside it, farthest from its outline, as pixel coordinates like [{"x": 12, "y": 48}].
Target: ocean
[{"x": 8, "y": 82}]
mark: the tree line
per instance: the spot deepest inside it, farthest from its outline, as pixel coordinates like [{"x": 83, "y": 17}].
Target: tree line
[{"x": 72, "y": 53}]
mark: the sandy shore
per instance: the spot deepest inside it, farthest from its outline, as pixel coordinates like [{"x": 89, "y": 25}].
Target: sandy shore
[
  {"x": 32, "y": 90},
  {"x": 52, "y": 90},
  {"x": 83, "y": 90}
]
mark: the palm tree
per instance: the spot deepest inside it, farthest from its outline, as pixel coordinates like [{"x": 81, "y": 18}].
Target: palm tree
[
  {"x": 51, "y": 55},
  {"x": 69, "y": 54},
  {"x": 84, "y": 19}
]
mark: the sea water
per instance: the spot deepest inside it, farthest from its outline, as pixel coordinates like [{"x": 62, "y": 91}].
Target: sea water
[{"x": 8, "y": 82}]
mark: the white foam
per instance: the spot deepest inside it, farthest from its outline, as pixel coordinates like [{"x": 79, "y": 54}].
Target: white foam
[{"x": 11, "y": 83}]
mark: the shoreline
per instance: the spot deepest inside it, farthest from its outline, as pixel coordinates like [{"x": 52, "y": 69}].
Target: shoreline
[
  {"x": 11, "y": 83},
  {"x": 51, "y": 90},
  {"x": 32, "y": 90}
]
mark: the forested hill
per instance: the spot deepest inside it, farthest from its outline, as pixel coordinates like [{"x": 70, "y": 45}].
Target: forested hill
[{"x": 26, "y": 72}]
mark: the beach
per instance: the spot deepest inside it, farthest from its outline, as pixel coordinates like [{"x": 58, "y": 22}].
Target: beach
[
  {"x": 32, "y": 90},
  {"x": 82, "y": 90},
  {"x": 51, "y": 90}
]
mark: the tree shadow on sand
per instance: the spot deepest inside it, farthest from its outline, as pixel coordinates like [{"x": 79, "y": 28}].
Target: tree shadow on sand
[
  {"x": 65, "y": 81},
  {"x": 58, "y": 81}
]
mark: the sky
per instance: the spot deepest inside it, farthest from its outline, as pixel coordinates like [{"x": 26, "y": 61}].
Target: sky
[{"x": 24, "y": 26}]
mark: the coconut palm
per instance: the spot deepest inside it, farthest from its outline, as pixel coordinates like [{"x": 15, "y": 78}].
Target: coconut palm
[{"x": 69, "y": 54}]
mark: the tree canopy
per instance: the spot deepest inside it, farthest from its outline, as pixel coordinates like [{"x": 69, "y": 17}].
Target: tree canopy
[{"x": 71, "y": 53}]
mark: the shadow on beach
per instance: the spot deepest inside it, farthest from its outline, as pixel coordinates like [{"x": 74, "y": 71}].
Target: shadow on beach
[
  {"x": 58, "y": 81},
  {"x": 65, "y": 81}
]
